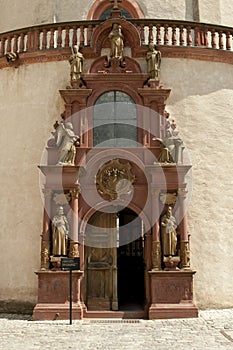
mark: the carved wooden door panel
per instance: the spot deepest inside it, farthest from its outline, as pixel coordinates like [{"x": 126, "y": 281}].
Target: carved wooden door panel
[{"x": 101, "y": 263}]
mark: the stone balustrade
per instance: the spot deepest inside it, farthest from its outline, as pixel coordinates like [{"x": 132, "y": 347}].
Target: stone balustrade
[{"x": 160, "y": 32}]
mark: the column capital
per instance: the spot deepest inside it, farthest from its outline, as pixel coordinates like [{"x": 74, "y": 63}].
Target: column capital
[
  {"x": 75, "y": 192},
  {"x": 168, "y": 198}
]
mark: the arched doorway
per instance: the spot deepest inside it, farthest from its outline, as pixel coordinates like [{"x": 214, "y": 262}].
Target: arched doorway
[
  {"x": 130, "y": 261},
  {"x": 114, "y": 261}
]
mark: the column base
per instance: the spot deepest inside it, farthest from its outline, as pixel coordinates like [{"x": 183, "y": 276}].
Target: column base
[
  {"x": 53, "y": 312},
  {"x": 164, "y": 311}
]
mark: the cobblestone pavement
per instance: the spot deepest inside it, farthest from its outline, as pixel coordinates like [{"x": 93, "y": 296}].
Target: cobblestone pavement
[{"x": 212, "y": 330}]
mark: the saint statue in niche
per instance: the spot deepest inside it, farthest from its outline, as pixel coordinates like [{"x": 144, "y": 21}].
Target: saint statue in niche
[
  {"x": 76, "y": 64},
  {"x": 153, "y": 58},
  {"x": 66, "y": 141},
  {"x": 169, "y": 234},
  {"x": 60, "y": 231},
  {"x": 116, "y": 39}
]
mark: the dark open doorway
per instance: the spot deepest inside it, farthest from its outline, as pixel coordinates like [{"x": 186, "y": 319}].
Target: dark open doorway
[{"x": 130, "y": 261}]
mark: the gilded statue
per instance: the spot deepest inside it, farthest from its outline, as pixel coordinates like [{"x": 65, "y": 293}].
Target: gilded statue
[
  {"x": 60, "y": 231},
  {"x": 164, "y": 156},
  {"x": 66, "y": 141},
  {"x": 153, "y": 58},
  {"x": 169, "y": 234},
  {"x": 116, "y": 39},
  {"x": 76, "y": 64}
]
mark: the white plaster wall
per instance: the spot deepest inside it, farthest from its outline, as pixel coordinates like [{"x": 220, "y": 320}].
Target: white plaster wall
[
  {"x": 166, "y": 9},
  {"x": 201, "y": 101},
  {"x": 29, "y": 105},
  {"x": 209, "y": 11},
  {"x": 226, "y": 12}
]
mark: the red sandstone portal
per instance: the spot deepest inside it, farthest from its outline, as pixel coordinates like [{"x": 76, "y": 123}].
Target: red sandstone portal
[{"x": 162, "y": 287}]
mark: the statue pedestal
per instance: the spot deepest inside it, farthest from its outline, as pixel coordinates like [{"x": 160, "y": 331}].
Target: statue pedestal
[
  {"x": 172, "y": 294},
  {"x": 53, "y": 295}
]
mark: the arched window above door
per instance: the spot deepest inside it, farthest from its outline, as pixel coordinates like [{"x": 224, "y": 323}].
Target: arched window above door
[
  {"x": 106, "y": 13},
  {"x": 101, "y": 9},
  {"x": 115, "y": 120}
]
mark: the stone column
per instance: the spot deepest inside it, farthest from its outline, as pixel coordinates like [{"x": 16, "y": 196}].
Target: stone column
[
  {"x": 74, "y": 246},
  {"x": 183, "y": 228},
  {"x": 45, "y": 237},
  {"x": 82, "y": 268},
  {"x": 156, "y": 245}
]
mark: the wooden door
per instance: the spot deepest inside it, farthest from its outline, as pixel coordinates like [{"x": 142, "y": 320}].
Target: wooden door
[{"x": 101, "y": 262}]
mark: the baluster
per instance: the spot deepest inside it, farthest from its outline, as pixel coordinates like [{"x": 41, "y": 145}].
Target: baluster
[
  {"x": 8, "y": 46},
  {"x": 21, "y": 42},
  {"x": 181, "y": 35},
  {"x": 228, "y": 41},
  {"x": 221, "y": 45},
  {"x": 51, "y": 42},
  {"x": 44, "y": 39},
  {"x": 31, "y": 45},
  {"x": 15, "y": 46},
  {"x": 150, "y": 37},
  {"x": 206, "y": 43},
  {"x": 196, "y": 36},
  {"x": 3, "y": 40},
  {"x": 81, "y": 36},
  {"x": 28, "y": 42},
  {"x": 158, "y": 35},
  {"x": 74, "y": 41},
  {"x": 174, "y": 41},
  {"x": 213, "y": 39},
  {"x": 67, "y": 37},
  {"x": 142, "y": 33},
  {"x": 59, "y": 37},
  {"x": 89, "y": 34},
  {"x": 189, "y": 36},
  {"x": 166, "y": 39},
  {"x": 37, "y": 40}
]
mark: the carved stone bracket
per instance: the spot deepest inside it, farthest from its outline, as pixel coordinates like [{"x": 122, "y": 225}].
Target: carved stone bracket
[{"x": 61, "y": 198}]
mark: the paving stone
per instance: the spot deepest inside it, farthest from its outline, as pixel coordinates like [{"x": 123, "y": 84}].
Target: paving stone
[{"x": 212, "y": 330}]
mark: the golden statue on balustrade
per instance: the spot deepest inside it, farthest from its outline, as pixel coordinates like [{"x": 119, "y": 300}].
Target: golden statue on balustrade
[
  {"x": 116, "y": 39},
  {"x": 153, "y": 58},
  {"x": 76, "y": 64}
]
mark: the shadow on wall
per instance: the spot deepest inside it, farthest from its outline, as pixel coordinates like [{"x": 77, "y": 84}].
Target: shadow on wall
[{"x": 192, "y": 10}]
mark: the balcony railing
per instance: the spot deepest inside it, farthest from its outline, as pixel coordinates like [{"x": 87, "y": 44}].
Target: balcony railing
[{"x": 159, "y": 32}]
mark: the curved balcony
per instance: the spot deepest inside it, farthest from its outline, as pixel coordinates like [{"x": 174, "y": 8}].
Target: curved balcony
[{"x": 167, "y": 34}]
